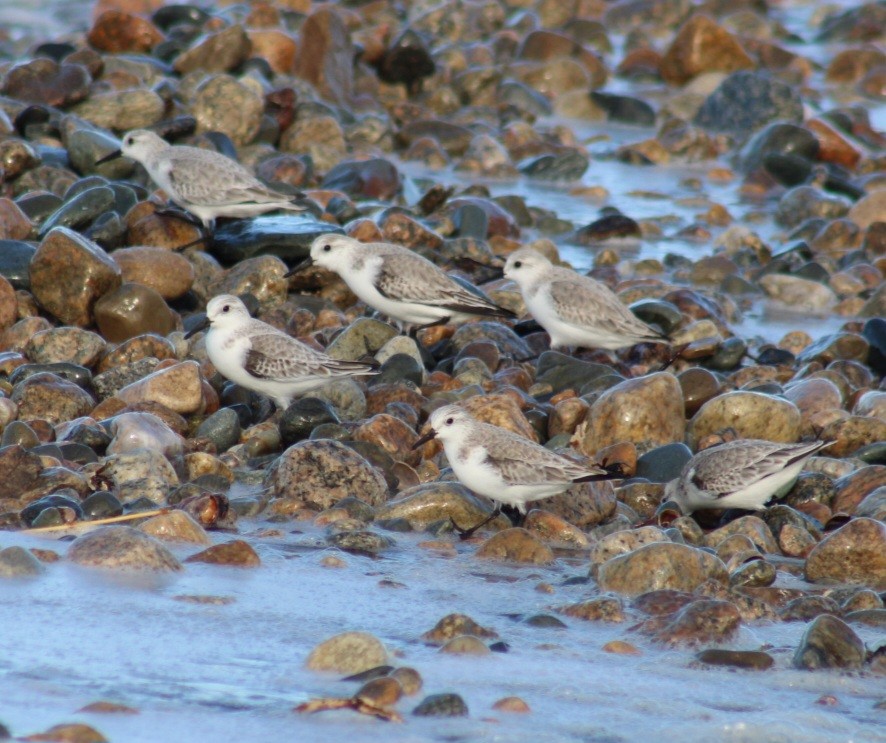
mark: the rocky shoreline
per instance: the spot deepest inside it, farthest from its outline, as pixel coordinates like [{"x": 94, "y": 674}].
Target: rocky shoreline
[{"x": 108, "y": 411}]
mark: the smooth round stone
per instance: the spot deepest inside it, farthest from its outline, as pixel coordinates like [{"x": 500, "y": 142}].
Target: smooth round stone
[
  {"x": 15, "y": 258},
  {"x": 755, "y": 660},
  {"x": 363, "y": 336},
  {"x": 360, "y": 542},
  {"x": 500, "y": 335},
  {"x": 177, "y": 387},
  {"x": 170, "y": 274},
  {"x": 855, "y": 553},
  {"x": 287, "y": 238},
  {"x": 829, "y": 643},
  {"x": 429, "y": 502},
  {"x": 132, "y": 310},
  {"x": 73, "y": 373},
  {"x": 235, "y": 553},
  {"x": 564, "y": 372},
  {"x": 399, "y": 367},
  {"x": 333, "y": 431},
  {"x": 68, "y": 344},
  {"x": 751, "y": 414},
  {"x": 122, "y": 548},
  {"x": 17, "y": 562},
  {"x": 441, "y": 705},
  {"x": 80, "y": 210},
  {"x": 465, "y": 645},
  {"x": 516, "y": 545},
  {"x": 303, "y": 416},
  {"x": 754, "y": 573},
  {"x": 101, "y": 505},
  {"x": 698, "y": 386},
  {"x": 138, "y": 430},
  {"x": 222, "y": 428},
  {"x": 728, "y": 355},
  {"x": 51, "y": 398},
  {"x": 658, "y": 566},
  {"x": 175, "y": 526},
  {"x": 51, "y": 516},
  {"x": 780, "y": 138},
  {"x": 664, "y": 463},
  {"x": 566, "y": 166},
  {"x": 20, "y": 433},
  {"x": 349, "y": 652}
]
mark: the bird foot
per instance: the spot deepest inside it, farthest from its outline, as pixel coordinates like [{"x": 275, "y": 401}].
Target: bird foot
[{"x": 468, "y": 533}]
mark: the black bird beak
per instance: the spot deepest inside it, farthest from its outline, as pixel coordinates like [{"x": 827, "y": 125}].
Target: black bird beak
[
  {"x": 202, "y": 325},
  {"x": 111, "y": 156},
  {"x": 424, "y": 439},
  {"x": 306, "y": 263}
]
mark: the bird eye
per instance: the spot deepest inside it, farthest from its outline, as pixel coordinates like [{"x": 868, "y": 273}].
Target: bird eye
[
  {"x": 327, "y": 248},
  {"x": 517, "y": 264},
  {"x": 226, "y": 308},
  {"x": 449, "y": 421}
]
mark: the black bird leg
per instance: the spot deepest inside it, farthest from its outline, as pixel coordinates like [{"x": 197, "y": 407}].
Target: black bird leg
[{"x": 468, "y": 533}]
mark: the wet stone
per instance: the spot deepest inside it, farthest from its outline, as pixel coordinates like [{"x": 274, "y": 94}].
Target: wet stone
[
  {"x": 236, "y": 553},
  {"x": 516, "y": 545},
  {"x": 122, "y": 548},
  {"x": 349, "y": 652},
  {"x": 222, "y": 428},
  {"x": 100, "y": 505},
  {"x": 465, "y": 645},
  {"x": 805, "y": 608},
  {"x": 855, "y": 553},
  {"x": 80, "y": 210},
  {"x": 302, "y": 417},
  {"x": 48, "y": 397},
  {"x": 455, "y": 625},
  {"x": 17, "y": 562},
  {"x": 657, "y": 566},
  {"x": 755, "y": 660},
  {"x": 360, "y": 542},
  {"x": 829, "y": 643},
  {"x": 701, "y": 622},
  {"x": 441, "y": 705},
  {"x": 131, "y": 310},
  {"x": 600, "y": 609},
  {"x": 427, "y": 503}
]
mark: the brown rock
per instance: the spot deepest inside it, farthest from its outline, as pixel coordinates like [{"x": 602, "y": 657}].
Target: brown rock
[
  {"x": 319, "y": 136},
  {"x": 236, "y": 553},
  {"x": 752, "y": 527},
  {"x": 752, "y": 415},
  {"x": 511, "y": 704},
  {"x": 553, "y": 529},
  {"x": 855, "y": 553},
  {"x": 812, "y": 397},
  {"x": 131, "y": 310},
  {"x": 599, "y": 609},
  {"x": 465, "y": 645},
  {"x": 455, "y": 625},
  {"x": 218, "y": 52},
  {"x": 392, "y": 435},
  {"x": 869, "y": 209},
  {"x": 657, "y": 566},
  {"x": 326, "y": 56},
  {"x": 702, "y": 46},
  {"x": 274, "y": 46},
  {"x": 516, "y": 545},
  {"x": 48, "y": 397},
  {"x": 122, "y": 547},
  {"x": 702, "y": 622},
  {"x": 147, "y": 228},
  {"x": 623, "y": 542},
  {"x": 853, "y": 488},
  {"x": 14, "y": 224},
  {"x": 426, "y": 503},
  {"x": 829, "y": 643},
  {"x": 42, "y": 80},
  {"x": 318, "y": 473},
  {"x": 852, "y": 433},
  {"x": 8, "y": 304},
  {"x": 21, "y": 471},
  {"x": 176, "y": 387},
  {"x": 349, "y": 652},
  {"x": 647, "y": 411},
  {"x": 502, "y": 411},
  {"x": 169, "y": 274},
  {"x": 585, "y": 504},
  {"x": 175, "y": 526},
  {"x": 226, "y": 105},
  {"x": 135, "y": 349},
  {"x": 116, "y": 32},
  {"x": 69, "y": 273},
  {"x": 67, "y": 344}
]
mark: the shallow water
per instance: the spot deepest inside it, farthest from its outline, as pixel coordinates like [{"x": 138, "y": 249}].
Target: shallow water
[{"x": 76, "y": 635}]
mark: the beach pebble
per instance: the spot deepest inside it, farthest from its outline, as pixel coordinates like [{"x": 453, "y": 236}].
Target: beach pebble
[
  {"x": 131, "y": 310},
  {"x": 319, "y": 473},
  {"x": 455, "y": 625},
  {"x": 647, "y": 411},
  {"x": 236, "y": 553},
  {"x": 427, "y": 503},
  {"x": 122, "y": 548},
  {"x": 747, "y": 100},
  {"x": 599, "y": 609},
  {"x": 175, "y": 526},
  {"x": 363, "y": 337},
  {"x": 855, "y": 553},
  {"x": 169, "y": 274},
  {"x": 702, "y": 622},
  {"x": 66, "y": 344},
  {"x": 516, "y": 545},
  {"x": 215, "y": 52},
  {"x": 177, "y": 387},
  {"x": 441, "y": 705},
  {"x": 657, "y": 566},
  {"x": 17, "y": 562},
  {"x": 829, "y": 643},
  {"x": 69, "y": 274},
  {"x": 756, "y": 660},
  {"x": 752, "y": 415},
  {"x": 348, "y": 652},
  {"x": 702, "y": 46},
  {"x": 51, "y": 398},
  {"x": 465, "y": 645},
  {"x": 139, "y": 430}
]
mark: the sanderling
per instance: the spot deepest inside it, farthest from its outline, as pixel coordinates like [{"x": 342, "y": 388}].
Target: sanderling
[
  {"x": 261, "y": 358},
  {"x": 401, "y": 284},
  {"x": 575, "y": 310},
  {"x": 503, "y": 466},
  {"x": 203, "y": 182},
  {"x": 744, "y": 473}
]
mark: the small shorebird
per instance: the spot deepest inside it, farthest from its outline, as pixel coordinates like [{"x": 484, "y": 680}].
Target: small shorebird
[
  {"x": 400, "y": 283},
  {"x": 575, "y": 310},
  {"x": 503, "y": 466},
  {"x": 744, "y": 473},
  {"x": 261, "y": 358},
  {"x": 203, "y": 182}
]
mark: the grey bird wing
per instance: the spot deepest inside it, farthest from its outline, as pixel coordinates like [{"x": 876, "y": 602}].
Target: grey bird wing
[
  {"x": 522, "y": 462},
  {"x": 278, "y": 357},
  {"x": 206, "y": 178},
  {"x": 407, "y": 277},
  {"x": 585, "y": 302},
  {"x": 722, "y": 470}
]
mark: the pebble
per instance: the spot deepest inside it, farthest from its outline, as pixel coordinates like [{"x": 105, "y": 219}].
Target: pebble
[
  {"x": 348, "y": 652},
  {"x": 441, "y": 705},
  {"x": 854, "y": 553},
  {"x": 829, "y": 643},
  {"x": 658, "y": 566},
  {"x": 122, "y": 548},
  {"x": 17, "y": 562},
  {"x": 516, "y": 545},
  {"x": 236, "y": 553},
  {"x": 175, "y": 526}
]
